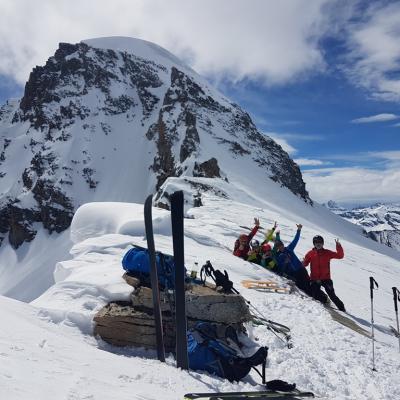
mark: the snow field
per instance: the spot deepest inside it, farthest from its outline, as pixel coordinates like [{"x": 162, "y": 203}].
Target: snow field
[{"x": 327, "y": 358}]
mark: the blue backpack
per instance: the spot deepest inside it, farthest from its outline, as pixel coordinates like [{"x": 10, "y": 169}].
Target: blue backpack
[
  {"x": 136, "y": 262},
  {"x": 208, "y": 353}
]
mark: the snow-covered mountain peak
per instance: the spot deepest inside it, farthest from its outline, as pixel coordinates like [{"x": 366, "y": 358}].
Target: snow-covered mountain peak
[
  {"x": 121, "y": 108},
  {"x": 139, "y": 48}
]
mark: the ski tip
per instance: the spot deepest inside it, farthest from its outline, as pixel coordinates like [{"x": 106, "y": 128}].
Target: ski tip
[{"x": 149, "y": 198}]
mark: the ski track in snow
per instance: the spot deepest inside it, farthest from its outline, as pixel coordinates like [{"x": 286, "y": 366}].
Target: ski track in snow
[{"x": 47, "y": 350}]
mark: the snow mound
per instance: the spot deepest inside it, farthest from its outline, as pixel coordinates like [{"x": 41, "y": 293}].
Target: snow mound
[{"x": 96, "y": 219}]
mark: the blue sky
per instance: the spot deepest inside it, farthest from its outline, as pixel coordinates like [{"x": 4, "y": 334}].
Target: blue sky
[{"x": 322, "y": 77}]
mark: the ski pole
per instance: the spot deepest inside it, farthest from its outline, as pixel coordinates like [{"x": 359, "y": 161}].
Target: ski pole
[
  {"x": 396, "y": 296},
  {"x": 372, "y": 284}
]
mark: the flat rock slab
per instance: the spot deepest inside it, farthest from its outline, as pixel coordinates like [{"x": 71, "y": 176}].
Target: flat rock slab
[
  {"x": 202, "y": 303},
  {"x": 121, "y": 324}
]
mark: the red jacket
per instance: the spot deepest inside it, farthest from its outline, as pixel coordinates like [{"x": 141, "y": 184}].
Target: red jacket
[
  {"x": 243, "y": 253},
  {"x": 319, "y": 261}
]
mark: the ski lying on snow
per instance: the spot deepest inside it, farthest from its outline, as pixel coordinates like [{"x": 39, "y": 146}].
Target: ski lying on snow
[
  {"x": 179, "y": 261},
  {"x": 346, "y": 321},
  {"x": 249, "y": 395},
  {"x": 265, "y": 286},
  {"x": 148, "y": 222}
]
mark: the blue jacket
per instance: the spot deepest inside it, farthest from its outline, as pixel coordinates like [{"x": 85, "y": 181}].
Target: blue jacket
[{"x": 288, "y": 263}]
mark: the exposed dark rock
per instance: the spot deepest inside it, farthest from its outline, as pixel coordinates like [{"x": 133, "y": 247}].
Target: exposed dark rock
[
  {"x": 88, "y": 175},
  {"x": 56, "y": 209},
  {"x": 191, "y": 139},
  {"x": 207, "y": 169},
  {"x": 20, "y": 225},
  {"x": 197, "y": 200},
  {"x": 164, "y": 162}
]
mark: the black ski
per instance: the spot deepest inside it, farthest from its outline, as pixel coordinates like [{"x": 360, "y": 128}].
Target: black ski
[
  {"x": 180, "y": 306},
  {"x": 268, "y": 395},
  {"x": 148, "y": 222}
]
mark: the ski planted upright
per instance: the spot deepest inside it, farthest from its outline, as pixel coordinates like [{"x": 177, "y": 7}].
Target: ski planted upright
[
  {"x": 148, "y": 222},
  {"x": 179, "y": 260}
]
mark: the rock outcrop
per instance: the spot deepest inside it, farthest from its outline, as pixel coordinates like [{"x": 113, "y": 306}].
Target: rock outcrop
[{"x": 132, "y": 323}]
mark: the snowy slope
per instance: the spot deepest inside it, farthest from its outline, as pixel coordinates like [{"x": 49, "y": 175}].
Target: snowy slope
[{"x": 52, "y": 335}]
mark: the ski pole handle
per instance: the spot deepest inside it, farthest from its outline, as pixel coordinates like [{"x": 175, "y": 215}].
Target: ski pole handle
[
  {"x": 372, "y": 283},
  {"x": 396, "y": 296}
]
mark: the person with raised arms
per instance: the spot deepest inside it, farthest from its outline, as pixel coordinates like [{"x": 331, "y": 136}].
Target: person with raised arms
[
  {"x": 319, "y": 260},
  {"x": 242, "y": 244}
]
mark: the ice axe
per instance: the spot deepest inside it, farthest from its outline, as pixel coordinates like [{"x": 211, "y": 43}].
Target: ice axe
[
  {"x": 396, "y": 297},
  {"x": 372, "y": 284}
]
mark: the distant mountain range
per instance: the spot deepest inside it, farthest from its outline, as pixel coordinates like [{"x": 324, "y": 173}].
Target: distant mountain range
[{"x": 381, "y": 222}]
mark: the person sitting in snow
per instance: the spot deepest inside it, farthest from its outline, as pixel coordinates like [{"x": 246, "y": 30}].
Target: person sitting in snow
[
  {"x": 268, "y": 253},
  {"x": 254, "y": 254},
  {"x": 319, "y": 260},
  {"x": 242, "y": 244},
  {"x": 290, "y": 266},
  {"x": 268, "y": 261}
]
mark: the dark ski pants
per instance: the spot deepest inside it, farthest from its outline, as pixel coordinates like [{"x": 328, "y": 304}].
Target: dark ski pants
[
  {"x": 318, "y": 294},
  {"x": 302, "y": 280}
]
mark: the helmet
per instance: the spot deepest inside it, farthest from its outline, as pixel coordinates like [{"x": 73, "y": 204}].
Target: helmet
[
  {"x": 318, "y": 239},
  {"x": 265, "y": 247},
  {"x": 254, "y": 243}
]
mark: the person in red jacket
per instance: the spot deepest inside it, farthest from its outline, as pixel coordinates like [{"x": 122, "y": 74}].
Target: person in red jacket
[
  {"x": 319, "y": 260},
  {"x": 242, "y": 245}
]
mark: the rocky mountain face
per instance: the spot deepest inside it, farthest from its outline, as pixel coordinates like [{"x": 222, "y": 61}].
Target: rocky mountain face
[
  {"x": 111, "y": 120},
  {"x": 381, "y": 222}
]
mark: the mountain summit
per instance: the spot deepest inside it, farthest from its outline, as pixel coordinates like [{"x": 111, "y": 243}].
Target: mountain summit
[{"x": 112, "y": 119}]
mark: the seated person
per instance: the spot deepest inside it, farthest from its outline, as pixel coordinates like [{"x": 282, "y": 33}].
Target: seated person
[
  {"x": 268, "y": 259},
  {"x": 242, "y": 244},
  {"x": 290, "y": 266},
  {"x": 254, "y": 254}
]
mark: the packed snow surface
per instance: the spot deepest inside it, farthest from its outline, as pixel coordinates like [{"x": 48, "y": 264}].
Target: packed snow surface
[{"x": 48, "y": 351}]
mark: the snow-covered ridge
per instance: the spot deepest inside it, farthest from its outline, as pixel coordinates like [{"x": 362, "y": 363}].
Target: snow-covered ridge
[
  {"x": 380, "y": 221},
  {"x": 139, "y": 48}
]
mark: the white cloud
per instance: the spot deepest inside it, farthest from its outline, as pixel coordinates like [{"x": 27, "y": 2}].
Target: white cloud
[
  {"x": 272, "y": 41},
  {"x": 375, "y": 118},
  {"x": 353, "y": 184},
  {"x": 357, "y": 184},
  {"x": 375, "y": 51},
  {"x": 307, "y": 162}
]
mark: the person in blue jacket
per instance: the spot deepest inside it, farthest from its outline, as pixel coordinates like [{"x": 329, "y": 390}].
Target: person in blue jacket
[{"x": 290, "y": 266}]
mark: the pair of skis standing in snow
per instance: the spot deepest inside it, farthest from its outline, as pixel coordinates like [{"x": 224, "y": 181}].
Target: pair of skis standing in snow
[
  {"x": 283, "y": 260},
  {"x": 177, "y": 205}
]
